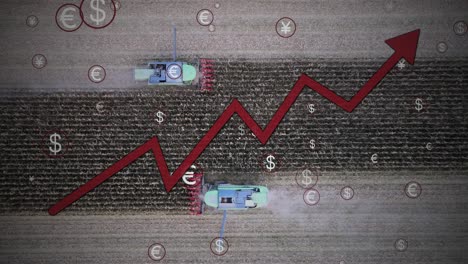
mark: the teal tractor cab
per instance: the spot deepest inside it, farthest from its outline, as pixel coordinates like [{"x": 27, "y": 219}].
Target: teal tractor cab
[
  {"x": 167, "y": 72},
  {"x": 236, "y": 197},
  {"x": 199, "y": 73}
]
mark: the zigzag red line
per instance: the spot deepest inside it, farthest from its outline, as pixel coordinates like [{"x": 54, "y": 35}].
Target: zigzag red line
[{"x": 235, "y": 107}]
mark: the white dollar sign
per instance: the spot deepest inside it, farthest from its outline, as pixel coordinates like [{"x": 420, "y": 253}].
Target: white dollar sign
[
  {"x": 347, "y": 193},
  {"x": 461, "y": 28},
  {"x": 100, "y": 14},
  {"x": 219, "y": 246},
  {"x": 160, "y": 117},
  {"x": 311, "y": 108},
  {"x": 57, "y": 146},
  {"x": 419, "y": 104},
  {"x": 241, "y": 130},
  {"x": 401, "y": 245},
  {"x": 306, "y": 177},
  {"x": 312, "y": 144},
  {"x": 270, "y": 162}
]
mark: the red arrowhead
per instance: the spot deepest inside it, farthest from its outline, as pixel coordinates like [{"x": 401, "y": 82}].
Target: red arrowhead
[{"x": 405, "y": 45}]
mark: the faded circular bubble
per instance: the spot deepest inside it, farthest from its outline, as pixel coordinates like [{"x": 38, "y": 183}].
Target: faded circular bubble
[
  {"x": 39, "y": 61},
  {"x": 389, "y": 5},
  {"x": 116, "y": 5},
  {"x": 413, "y": 189},
  {"x": 217, "y": 5},
  {"x": 347, "y": 193},
  {"x": 311, "y": 197},
  {"x": 211, "y": 28},
  {"x": 32, "y": 21},
  {"x": 401, "y": 245},
  {"x": 205, "y": 17},
  {"x": 285, "y": 27},
  {"x": 460, "y": 28},
  {"x": 156, "y": 252},
  {"x": 219, "y": 246},
  {"x": 442, "y": 47},
  {"x": 97, "y": 74},
  {"x": 307, "y": 178}
]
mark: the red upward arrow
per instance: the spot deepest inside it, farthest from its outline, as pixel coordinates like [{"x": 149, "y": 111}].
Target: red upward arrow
[{"x": 404, "y": 45}]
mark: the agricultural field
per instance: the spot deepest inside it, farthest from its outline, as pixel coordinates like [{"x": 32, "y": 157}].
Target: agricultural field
[{"x": 389, "y": 177}]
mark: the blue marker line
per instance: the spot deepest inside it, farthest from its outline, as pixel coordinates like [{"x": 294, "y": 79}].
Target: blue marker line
[{"x": 221, "y": 233}]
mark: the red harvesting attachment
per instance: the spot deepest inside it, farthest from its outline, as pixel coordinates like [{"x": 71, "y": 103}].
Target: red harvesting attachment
[{"x": 207, "y": 74}]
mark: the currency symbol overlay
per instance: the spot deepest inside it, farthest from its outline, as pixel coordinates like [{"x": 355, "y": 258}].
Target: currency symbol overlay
[
  {"x": 99, "y": 14},
  {"x": 311, "y": 108},
  {"x": 241, "y": 130},
  {"x": 442, "y": 47},
  {"x": 429, "y": 146},
  {"x": 401, "y": 245},
  {"x": 39, "y": 61},
  {"x": 32, "y": 21},
  {"x": 460, "y": 28},
  {"x": 56, "y": 146},
  {"x": 174, "y": 71},
  {"x": 219, "y": 246},
  {"x": 156, "y": 252},
  {"x": 347, "y": 193},
  {"x": 190, "y": 174},
  {"x": 96, "y": 73},
  {"x": 419, "y": 104},
  {"x": 270, "y": 163},
  {"x": 100, "y": 106},
  {"x": 285, "y": 27},
  {"x": 374, "y": 158},
  {"x": 205, "y": 17},
  {"x": 68, "y": 17},
  {"x": 413, "y": 189},
  {"x": 311, "y": 197},
  {"x": 160, "y": 117},
  {"x": 401, "y": 64},
  {"x": 307, "y": 178},
  {"x": 312, "y": 144}
]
